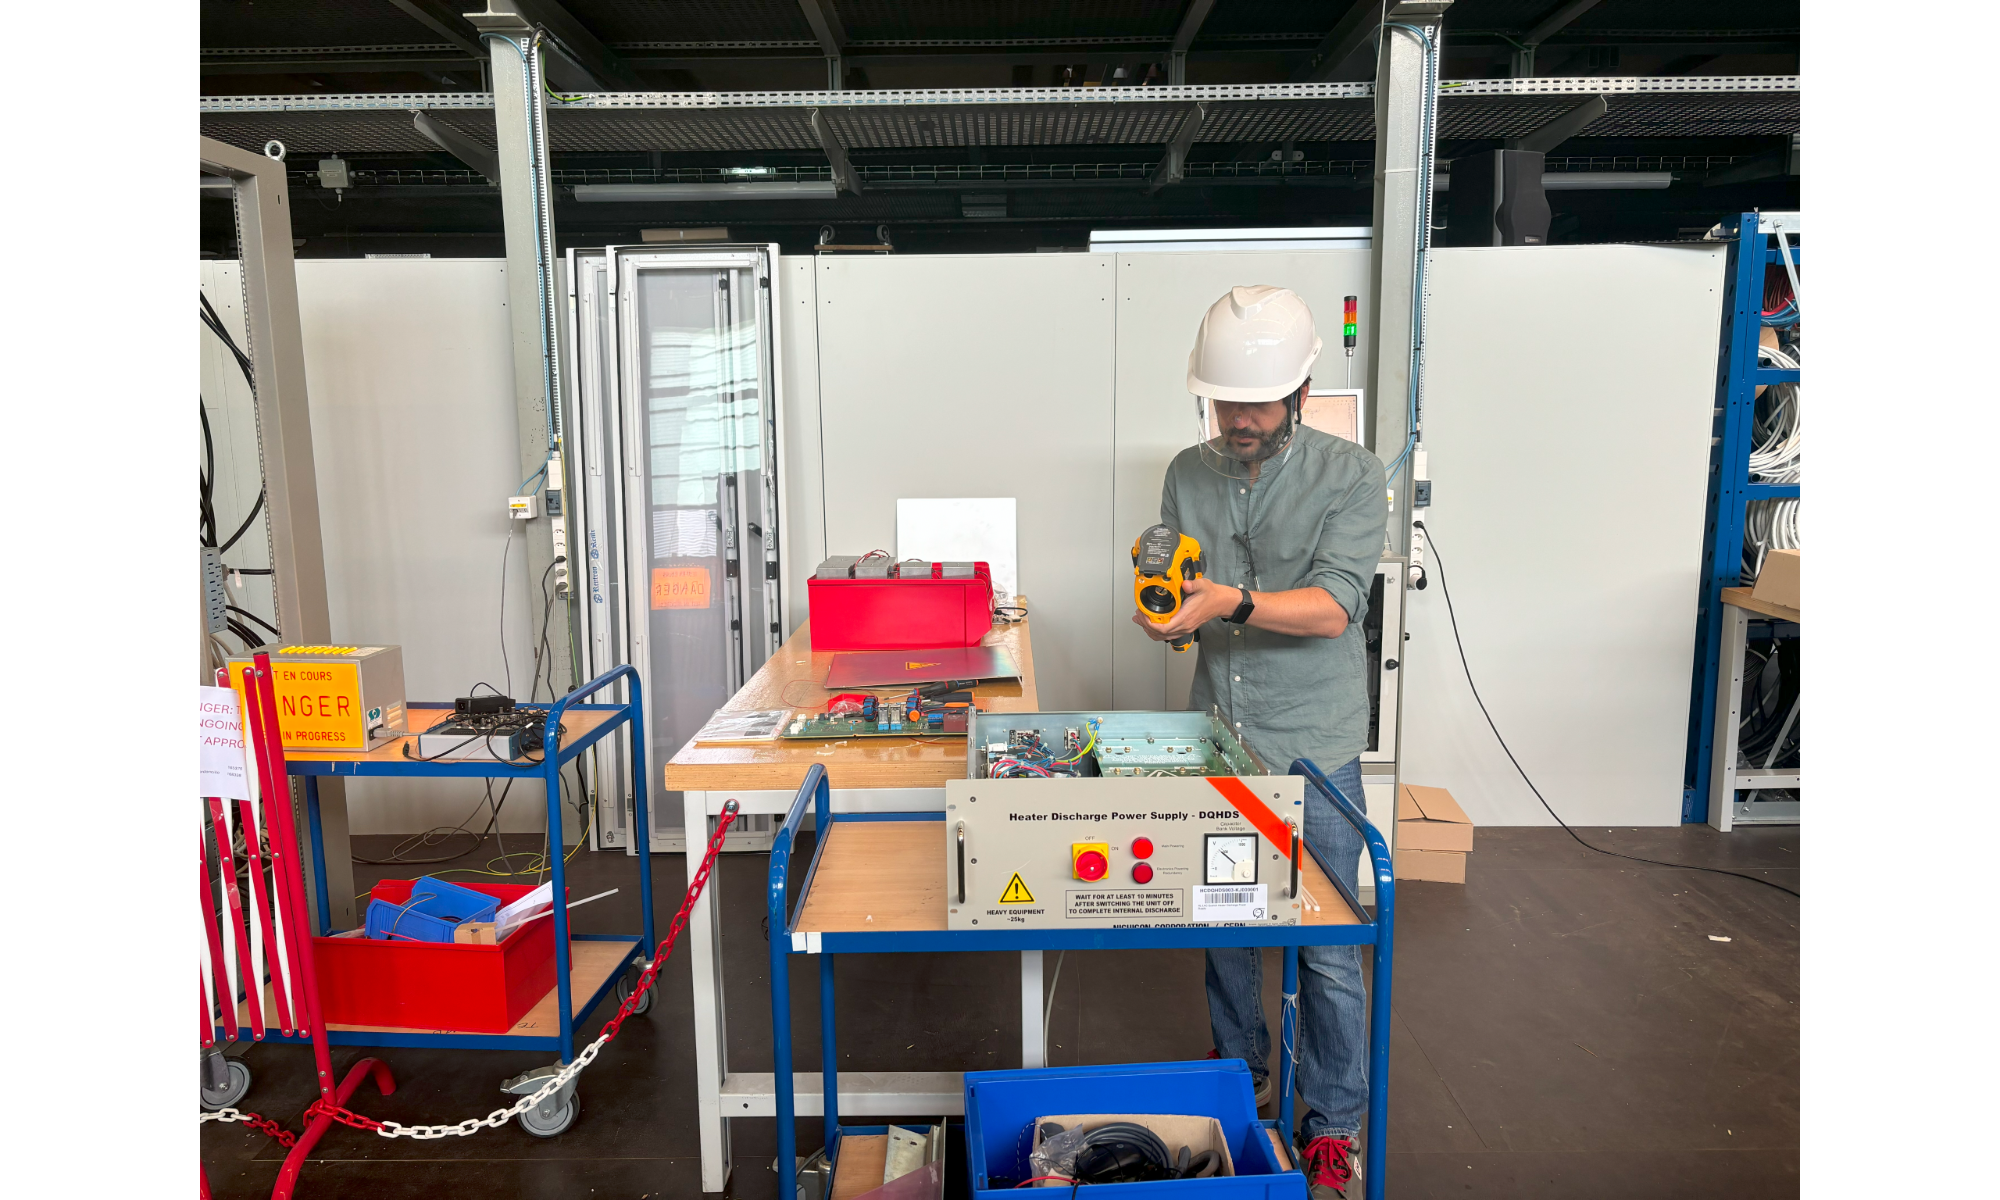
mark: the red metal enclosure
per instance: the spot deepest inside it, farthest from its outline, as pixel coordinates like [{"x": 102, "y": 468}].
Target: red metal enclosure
[{"x": 901, "y": 614}]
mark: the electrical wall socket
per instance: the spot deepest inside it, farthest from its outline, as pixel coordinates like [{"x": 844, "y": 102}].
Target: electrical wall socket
[
  {"x": 525, "y": 508},
  {"x": 215, "y": 600},
  {"x": 559, "y": 531}
]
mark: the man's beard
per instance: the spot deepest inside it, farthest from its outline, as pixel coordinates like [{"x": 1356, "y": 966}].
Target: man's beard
[{"x": 1267, "y": 445}]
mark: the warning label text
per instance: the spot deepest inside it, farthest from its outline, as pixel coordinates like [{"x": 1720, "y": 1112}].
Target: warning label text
[{"x": 1146, "y": 905}]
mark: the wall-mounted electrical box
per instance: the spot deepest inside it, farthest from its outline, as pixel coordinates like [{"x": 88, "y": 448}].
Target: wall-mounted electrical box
[{"x": 214, "y": 595}]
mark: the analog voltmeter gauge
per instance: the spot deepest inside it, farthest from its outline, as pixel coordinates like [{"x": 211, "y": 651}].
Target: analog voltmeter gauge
[{"x": 1231, "y": 858}]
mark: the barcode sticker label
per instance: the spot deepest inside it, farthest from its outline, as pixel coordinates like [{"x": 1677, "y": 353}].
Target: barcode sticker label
[{"x": 1231, "y": 902}]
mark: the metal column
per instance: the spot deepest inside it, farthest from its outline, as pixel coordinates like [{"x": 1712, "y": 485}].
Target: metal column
[
  {"x": 521, "y": 136},
  {"x": 1405, "y": 154},
  {"x": 284, "y": 437}
]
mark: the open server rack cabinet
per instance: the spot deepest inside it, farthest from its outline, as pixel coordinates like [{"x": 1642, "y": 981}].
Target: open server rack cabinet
[
  {"x": 1753, "y": 248},
  {"x": 788, "y": 938}
]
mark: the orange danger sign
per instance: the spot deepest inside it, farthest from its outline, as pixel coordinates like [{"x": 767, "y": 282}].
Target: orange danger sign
[
  {"x": 680, "y": 587},
  {"x": 319, "y": 704}
]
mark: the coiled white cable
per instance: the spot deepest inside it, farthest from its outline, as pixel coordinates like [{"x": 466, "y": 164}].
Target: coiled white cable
[
  {"x": 1776, "y": 458},
  {"x": 1774, "y": 524}
]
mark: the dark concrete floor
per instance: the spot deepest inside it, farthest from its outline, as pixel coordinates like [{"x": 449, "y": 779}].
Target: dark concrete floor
[{"x": 1566, "y": 1025}]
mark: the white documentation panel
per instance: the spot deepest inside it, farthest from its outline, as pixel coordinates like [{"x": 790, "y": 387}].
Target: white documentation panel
[{"x": 963, "y": 530}]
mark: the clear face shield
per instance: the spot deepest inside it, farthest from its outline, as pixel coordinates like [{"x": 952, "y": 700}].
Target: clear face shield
[{"x": 1233, "y": 438}]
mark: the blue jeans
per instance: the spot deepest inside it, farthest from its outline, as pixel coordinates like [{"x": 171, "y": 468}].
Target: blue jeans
[{"x": 1333, "y": 1006}]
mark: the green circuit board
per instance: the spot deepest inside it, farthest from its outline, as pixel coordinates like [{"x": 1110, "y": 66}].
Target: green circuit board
[{"x": 822, "y": 728}]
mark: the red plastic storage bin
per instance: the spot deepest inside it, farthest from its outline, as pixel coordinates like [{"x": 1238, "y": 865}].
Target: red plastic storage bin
[
  {"x": 436, "y": 985},
  {"x": 900, "y": 614}
]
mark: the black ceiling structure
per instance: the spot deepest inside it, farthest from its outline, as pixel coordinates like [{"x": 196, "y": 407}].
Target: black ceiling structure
[{"x": 1059, "y": 110}]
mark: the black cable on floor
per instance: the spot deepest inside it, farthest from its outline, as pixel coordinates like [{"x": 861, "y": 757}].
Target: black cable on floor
[{"x": 1431, "y": 538}]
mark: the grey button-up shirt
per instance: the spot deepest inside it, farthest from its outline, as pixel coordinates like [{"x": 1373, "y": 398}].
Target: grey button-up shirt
[{"x": 1313, "y": 518}]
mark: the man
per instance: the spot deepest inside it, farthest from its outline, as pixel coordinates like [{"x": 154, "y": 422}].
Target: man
[{"x": 1291, "y": 523}]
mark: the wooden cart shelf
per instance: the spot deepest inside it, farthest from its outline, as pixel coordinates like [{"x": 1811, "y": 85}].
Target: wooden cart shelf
[
  {"x": 577, "y": 721},
  {"x": 889, "y": 877}
]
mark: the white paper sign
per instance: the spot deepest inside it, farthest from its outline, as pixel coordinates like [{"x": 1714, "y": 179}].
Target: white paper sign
[
  {"x": 961, "y": 530},
  {"x": 1231, "y": 902},
  {"x": 520, "y": 910},
  {"x": 222, "y": 770}
]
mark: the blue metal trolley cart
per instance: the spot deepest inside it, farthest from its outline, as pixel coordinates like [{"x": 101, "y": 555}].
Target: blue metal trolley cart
[
  {"x": 807, "y": 928},
  {"x": 602, "y": 962}
]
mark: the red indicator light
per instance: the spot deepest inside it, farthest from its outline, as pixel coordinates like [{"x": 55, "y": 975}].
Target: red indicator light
[
  {"x": 1142, "y": 873},
  {"x": 1090, "y": 865},
  {"x": 1142, "y": 847}
]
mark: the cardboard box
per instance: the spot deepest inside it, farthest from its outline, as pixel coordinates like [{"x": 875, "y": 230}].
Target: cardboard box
[
  {"x": 474, "y": 933},
  {"x": 1434, "y": 866},
  {"x": 1427, "y": 818},
  {"x": 1778, "y": 581},
  {"x": 1433, "y": 835}
]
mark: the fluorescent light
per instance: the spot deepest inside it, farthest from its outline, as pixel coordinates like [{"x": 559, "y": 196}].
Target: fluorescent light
[{"x": 623, "y": 193}]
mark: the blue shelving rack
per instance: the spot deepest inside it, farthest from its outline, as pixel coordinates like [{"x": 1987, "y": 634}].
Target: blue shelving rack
[{"x": 1753, "y": 248}]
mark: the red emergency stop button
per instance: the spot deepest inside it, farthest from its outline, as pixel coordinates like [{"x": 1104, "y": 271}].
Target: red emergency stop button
[
  {"x": 1143, "y": 848},
  {"x": 1091, "y": 865},
  {"x": 1142, "y": 872}
]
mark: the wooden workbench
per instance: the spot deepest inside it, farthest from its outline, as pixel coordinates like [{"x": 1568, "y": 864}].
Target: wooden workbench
[
  {"x": 1740, "y": 597},
  {"x": 791, "y": 679}
]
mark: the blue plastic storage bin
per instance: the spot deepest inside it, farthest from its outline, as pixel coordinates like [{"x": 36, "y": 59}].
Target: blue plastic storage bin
[
  {"x": 434, "y": 911},
  {"x": 1001, "y": 1108}
]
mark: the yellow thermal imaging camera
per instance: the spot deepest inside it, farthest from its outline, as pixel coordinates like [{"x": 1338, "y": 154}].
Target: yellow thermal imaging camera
[{"x": 1162, "y": 560}]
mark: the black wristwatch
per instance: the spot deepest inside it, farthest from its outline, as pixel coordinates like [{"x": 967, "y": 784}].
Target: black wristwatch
[{"x": 1243, "y": 610}]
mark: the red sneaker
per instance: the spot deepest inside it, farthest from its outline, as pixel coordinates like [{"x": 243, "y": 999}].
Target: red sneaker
[{"x": 1333, "y": 1168}]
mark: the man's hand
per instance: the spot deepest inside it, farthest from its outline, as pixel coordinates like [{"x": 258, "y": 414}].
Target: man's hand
[
  {"x": 1301, "y": 612},
  {"x": 1202, "y": 601}
]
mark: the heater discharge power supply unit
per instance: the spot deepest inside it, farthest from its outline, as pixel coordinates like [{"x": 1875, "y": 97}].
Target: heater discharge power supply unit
[{"x": 1120, "y": 820}]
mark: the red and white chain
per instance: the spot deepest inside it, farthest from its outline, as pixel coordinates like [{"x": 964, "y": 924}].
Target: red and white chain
[
  {"x": 264, "y": 1125},
  {"x": 500, "y": 1116}
]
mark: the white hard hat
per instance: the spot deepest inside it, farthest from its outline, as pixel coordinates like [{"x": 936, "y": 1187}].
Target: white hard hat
[{"x": 1255, "y": 345}]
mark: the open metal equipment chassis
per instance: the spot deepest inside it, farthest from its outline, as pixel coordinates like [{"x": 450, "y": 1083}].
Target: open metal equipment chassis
[{"x": 786, "y": 940}]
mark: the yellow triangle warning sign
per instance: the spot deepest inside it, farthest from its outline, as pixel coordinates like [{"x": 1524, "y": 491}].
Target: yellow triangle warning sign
[{"x": 1017, "y": 892}]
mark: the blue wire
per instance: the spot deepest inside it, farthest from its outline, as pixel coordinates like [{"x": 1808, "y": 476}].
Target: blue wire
[
  {"x": 530, "y": 479},
  {"x": 1788, "y": 315}
]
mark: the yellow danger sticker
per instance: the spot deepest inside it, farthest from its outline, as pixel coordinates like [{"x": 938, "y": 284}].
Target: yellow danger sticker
[
  {"x": 917, "y": 666},
  {"x": 1017, "y": 892}
]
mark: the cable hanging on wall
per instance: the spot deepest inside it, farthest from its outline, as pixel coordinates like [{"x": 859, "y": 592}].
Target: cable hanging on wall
[{"x": 242, "y": 624}]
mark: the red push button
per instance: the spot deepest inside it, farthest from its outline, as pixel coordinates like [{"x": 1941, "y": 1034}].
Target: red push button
[
  {"x": 1090, "y": 865},
  {"x": 1142, "y": 872},
  {"x": 1142, "y": 848}
]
